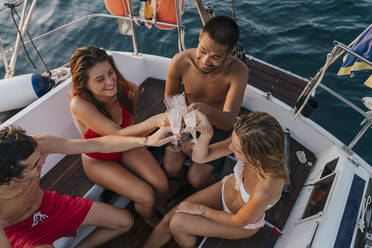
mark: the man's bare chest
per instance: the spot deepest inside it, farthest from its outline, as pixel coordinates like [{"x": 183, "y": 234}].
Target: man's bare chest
[
  {"x": 20, "y": 207},
  {"x": 212, "y": 91}
]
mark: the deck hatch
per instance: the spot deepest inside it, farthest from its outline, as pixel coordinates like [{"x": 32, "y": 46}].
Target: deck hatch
[
  {"x": 350, "y": 216},
  {"x": 330, "y": 167},
  {"x": 316, "y": 205}
]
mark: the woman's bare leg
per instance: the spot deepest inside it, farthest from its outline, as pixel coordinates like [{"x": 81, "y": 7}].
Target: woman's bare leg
[
  {"x": 141, "y": 162},
  {"x": 185, "y": 229},
  {"x": 114, "y": 176},
  {"x": 210, "y": 196},
  {"x": 200, "y": 175},
  {"x": 111, "y": 222}
]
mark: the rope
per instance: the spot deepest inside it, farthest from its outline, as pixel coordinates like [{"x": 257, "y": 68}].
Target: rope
[
  {"x": 33, "y": 44},
  {"x": 20, "y": 35},
  {"x": 60, "y": 74},
  {"x": 314, "y": 83},
  {"x": 361, "y": 222}
]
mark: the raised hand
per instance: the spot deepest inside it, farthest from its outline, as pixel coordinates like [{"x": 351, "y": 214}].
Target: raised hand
[
  {"x": 161, "y": 137},
  {"x": 202, "y": 124},
  {"x": 202, "y": 107}
]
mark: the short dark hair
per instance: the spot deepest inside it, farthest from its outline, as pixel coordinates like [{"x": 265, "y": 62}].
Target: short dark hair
[
  {"x": 223, "y": 30},
  {"x": 15, "y": 146}
]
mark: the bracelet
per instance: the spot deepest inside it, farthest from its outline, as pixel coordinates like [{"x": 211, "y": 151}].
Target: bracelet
[{"x": 202, "y": 212}]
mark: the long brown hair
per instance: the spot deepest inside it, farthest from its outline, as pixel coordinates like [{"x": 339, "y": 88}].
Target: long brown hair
[
  {"x": 85, "y": 58},
  {"x": 262, "y": 142}
]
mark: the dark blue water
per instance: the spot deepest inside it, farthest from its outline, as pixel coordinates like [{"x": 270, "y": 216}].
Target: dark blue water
[{"x": 292, "y": 34}]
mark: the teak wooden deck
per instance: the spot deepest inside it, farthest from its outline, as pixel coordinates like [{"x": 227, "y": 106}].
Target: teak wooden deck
[
  {"x": 68, "y": 176},
  {"x": 280, "y": 84}
]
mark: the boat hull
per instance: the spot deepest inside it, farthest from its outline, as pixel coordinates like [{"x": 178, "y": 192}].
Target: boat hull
[{"x": 51, "y": 114}]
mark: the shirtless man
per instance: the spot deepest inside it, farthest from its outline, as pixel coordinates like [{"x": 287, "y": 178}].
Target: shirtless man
[
  {"x": 214, "y": 82},
  {"x": 32, "y": 217}
]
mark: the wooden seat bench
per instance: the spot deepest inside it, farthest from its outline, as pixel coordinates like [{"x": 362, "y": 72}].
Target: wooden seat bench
[{"x": 281, "y": 84}]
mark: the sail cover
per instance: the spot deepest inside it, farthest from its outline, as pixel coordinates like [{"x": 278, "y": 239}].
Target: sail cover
[{"x": 363, "y": 47}]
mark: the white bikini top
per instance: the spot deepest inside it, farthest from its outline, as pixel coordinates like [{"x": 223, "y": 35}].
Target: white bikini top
[{"x": 238, "y": 174}]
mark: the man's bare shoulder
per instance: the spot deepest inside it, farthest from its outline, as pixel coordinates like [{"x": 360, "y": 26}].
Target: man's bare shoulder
[
  {"x": 236, "y": 65},
  {"x": 238, "y": 70},
  {"x": 183, "y": 58}
]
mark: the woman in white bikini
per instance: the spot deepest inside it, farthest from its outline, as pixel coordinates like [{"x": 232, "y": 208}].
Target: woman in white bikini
[{"x": 233, "y": 208}]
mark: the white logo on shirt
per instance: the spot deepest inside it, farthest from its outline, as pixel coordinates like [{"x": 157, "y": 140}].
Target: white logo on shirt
[{"x": 38, "y": 218}]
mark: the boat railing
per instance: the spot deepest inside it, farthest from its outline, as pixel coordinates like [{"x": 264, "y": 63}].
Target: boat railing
[
  {"x": 338, "y": 50},
  {"x": 366, "y": 115},
  {"x": 312, "y": 84},
  {"x": 131, "y": 18},
  {"x": 82, "y": 19}
]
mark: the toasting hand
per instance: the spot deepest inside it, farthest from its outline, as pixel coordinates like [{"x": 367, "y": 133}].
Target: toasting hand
[
  {"x": 161, "y": 137},
  {"x": 202, "y": 124}
]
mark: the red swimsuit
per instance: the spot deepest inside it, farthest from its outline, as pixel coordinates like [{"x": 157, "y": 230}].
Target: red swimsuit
[{"x": 115, "y": 156}]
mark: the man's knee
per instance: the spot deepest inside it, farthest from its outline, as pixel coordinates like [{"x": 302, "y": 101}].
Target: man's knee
[
  {"x": 173, "y": 167},
  {"x": 123, "y": 223},
  {"x": 173, "y": 162},
  {"x": 126, "y": 223},
  {"x": 172, "y": 171},
  {"x": 198, "y": 176}
]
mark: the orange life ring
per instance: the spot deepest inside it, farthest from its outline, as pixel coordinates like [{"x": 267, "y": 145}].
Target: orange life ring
[
  {"x": 116, "y": 7},
  {"x": 166, "y": 12}
]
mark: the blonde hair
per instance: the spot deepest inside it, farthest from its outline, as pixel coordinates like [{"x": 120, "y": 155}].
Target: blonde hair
[{"x": 262, "y": 142}]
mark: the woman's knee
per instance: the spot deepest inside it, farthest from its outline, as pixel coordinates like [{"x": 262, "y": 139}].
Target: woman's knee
[
  {"x": 196, "y": 179},
  {"x": 176, "y": 223},
  {"x": 164, "y": 223}
]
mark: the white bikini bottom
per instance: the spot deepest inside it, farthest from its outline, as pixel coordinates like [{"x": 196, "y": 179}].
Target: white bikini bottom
[{"x": 259, "y": 224}]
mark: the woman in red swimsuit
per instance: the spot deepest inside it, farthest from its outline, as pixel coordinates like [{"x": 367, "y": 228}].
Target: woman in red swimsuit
[{"x": 103, "y": 103}]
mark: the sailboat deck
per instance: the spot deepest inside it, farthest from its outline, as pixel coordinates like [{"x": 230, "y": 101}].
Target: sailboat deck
[{"x": 68, "y": 178}]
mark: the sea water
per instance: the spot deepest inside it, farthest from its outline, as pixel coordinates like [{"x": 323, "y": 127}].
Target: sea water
[{"x": 295, "y": 35}]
